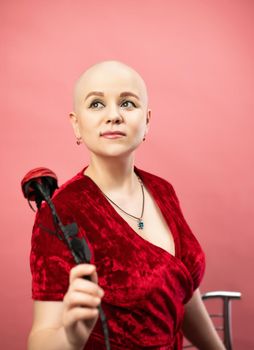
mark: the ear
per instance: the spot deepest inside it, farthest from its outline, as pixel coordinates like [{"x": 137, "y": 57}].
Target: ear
[
  {"x": 74, "y": 122},
  {"x": 148, "y": 118}
]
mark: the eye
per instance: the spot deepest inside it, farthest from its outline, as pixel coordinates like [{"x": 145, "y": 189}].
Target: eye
[
  {"x": 96, "y": 105},
  {"x": 128, "y": 104}
]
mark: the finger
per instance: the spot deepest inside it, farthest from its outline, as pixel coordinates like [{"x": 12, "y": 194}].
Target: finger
[
  {"x": 79, "y": 313},
  {"x": 94, "y": 277},
  {"x": 81, "y": 299},
  {"x": 81, "y": 270},
  {"x": 86, "y": 286}
]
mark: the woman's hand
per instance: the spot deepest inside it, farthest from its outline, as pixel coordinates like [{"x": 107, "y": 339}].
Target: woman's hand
[{"x": 80, "y": 305}]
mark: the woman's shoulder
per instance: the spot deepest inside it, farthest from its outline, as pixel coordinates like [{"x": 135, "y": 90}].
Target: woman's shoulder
[
  {"x": 156, "y": 182},
  {"x": 71, "y": 187},
  {"x": 154, "y": 178},
  {"x": 69, "y": 184},
  {"x": 67, "y": 192}
]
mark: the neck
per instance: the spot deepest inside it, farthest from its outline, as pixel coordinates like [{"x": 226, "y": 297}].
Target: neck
[{"x": 113, "y": 175}]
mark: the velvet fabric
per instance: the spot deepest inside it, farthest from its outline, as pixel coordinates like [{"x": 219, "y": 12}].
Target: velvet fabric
[{"x": 145, "y": 286}]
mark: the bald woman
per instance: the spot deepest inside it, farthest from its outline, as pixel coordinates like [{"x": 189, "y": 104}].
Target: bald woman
[{"x": 146, "y": 264}]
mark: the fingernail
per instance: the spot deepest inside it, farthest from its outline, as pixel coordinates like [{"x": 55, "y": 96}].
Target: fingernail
[{"x": 101, "y": 292}]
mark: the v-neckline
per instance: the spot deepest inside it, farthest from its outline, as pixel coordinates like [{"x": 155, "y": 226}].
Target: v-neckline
[{"x": 157, "y": 202}]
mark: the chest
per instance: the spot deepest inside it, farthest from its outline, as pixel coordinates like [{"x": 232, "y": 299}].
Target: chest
[{"x": 156, "y": 229}]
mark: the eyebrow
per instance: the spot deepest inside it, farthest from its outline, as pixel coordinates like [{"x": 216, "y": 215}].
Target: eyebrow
[{"x": 123, "y": 94}]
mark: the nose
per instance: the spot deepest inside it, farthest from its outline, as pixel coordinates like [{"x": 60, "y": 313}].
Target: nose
[
  {"x": 115, "y": 120},
  {"x": 114, "y": 116}
]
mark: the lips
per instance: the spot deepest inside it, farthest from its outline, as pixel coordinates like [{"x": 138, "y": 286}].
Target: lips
[{"x": 111, "y": 133}]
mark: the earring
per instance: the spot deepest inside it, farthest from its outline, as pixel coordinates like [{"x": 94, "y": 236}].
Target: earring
[{"x": 79, "y": 141}]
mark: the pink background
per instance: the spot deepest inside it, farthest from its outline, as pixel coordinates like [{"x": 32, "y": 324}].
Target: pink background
[{"x": 197, "y": 58}]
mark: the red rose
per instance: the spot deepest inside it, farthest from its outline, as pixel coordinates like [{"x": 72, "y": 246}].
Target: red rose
[{"x": 40, "y": 175}]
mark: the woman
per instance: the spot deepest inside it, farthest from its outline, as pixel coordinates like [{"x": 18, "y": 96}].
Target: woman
[{"x": 146, "y": 264}]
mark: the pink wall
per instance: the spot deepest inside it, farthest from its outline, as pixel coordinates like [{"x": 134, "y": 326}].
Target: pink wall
[{"x": 197, "y": 58}]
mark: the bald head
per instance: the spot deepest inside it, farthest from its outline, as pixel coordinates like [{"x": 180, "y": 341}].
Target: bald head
[{"x": 109, "y": 77}]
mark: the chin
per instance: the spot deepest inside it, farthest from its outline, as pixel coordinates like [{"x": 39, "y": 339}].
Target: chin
[
  {"x": 114, "y": 150},
  {"x": 114, "y": 153}
]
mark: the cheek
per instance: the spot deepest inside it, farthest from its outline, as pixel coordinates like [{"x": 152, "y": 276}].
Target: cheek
[
  {"x": 87, "y": 122},
  {"x": 86, "y": 130},
  {"x": 137, "y": 122}
]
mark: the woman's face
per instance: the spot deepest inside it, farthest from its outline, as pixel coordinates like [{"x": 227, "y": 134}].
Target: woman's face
[{"x": 111, "y": 99}]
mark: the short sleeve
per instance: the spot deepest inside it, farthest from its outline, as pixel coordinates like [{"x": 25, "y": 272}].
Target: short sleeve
[
  {"x": 50, "y": 258},
  {"x": 191, "y": 253}
]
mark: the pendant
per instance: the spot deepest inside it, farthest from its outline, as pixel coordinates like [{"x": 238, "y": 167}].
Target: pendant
[{"x": 140, "y": 224}]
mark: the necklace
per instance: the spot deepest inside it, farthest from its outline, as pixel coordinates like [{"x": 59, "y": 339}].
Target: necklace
[{"x": 139, "y": 219}]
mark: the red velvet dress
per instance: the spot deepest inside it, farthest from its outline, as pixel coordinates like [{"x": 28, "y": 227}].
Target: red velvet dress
[{"x": 145, "y": 286}]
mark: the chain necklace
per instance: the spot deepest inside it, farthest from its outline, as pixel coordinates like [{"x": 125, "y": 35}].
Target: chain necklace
[{"x": 139, "y": 219}]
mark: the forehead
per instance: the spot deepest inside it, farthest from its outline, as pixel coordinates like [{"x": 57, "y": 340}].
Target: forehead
[{"x": 110, "y": 79}]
